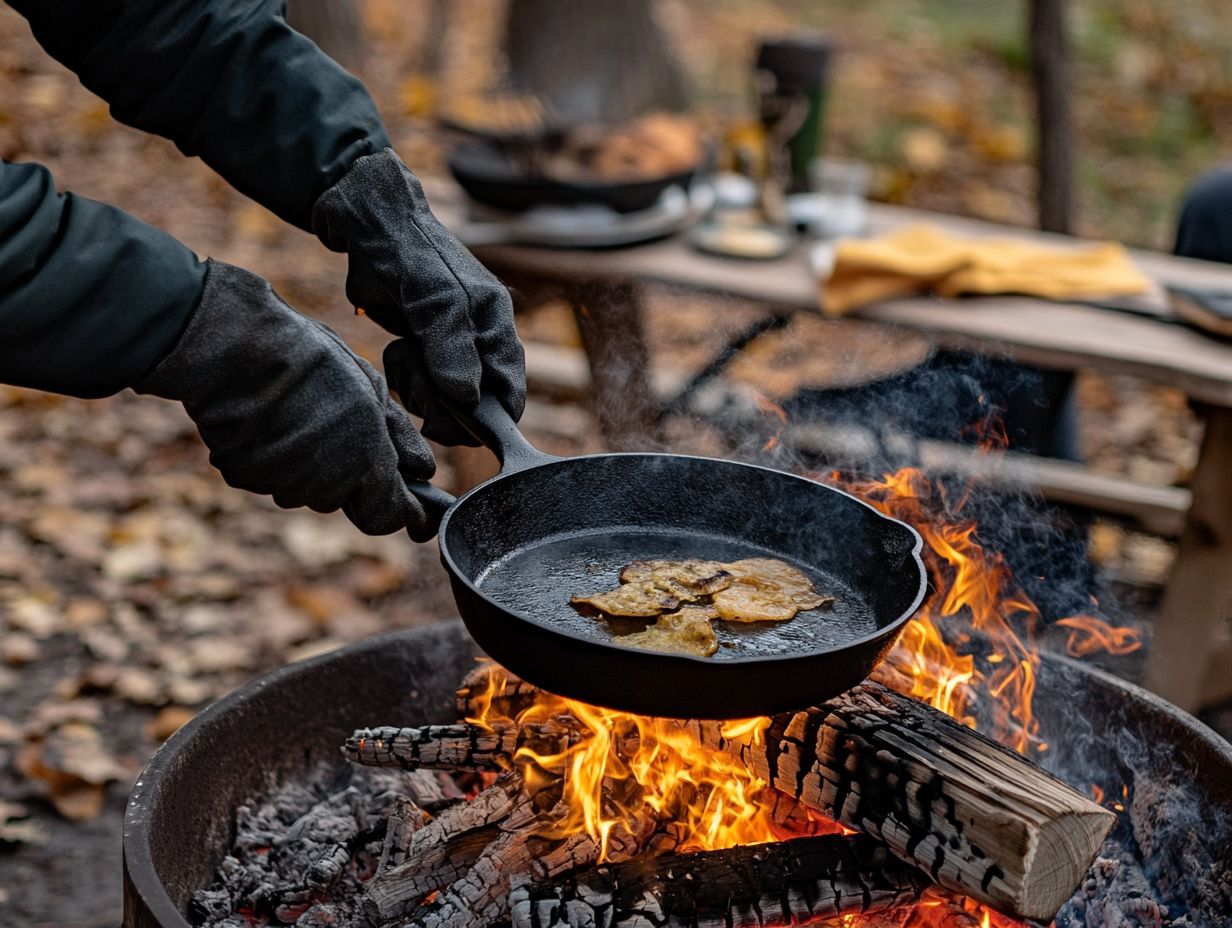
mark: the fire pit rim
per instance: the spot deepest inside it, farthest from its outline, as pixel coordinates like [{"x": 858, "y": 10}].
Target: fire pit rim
[
  {"x": 140, "y": 873},
  {"x": 146, "y": 900}
]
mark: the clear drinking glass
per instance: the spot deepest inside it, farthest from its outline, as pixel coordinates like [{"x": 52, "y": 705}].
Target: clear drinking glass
[{"x": 841, "y": 188}]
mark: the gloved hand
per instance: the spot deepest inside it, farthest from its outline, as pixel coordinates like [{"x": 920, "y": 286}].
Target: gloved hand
[
  {"x": 417, "y": 281},
  {"x": 287, "y": 409}
]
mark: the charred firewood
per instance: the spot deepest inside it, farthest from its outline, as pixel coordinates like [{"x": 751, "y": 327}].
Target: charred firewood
[
  {"x": 759, "y": 886},
  {"x": 432, "y": 747},
  {"x": 405, "y": 818},
  {"x": 980, "y": 819},
  {"x": 453, "y": 747},
  {"x": 443, "y": 851},
  {"x": 482, "y": 896}
]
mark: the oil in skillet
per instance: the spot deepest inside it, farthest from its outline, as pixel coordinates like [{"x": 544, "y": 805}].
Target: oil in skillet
[{"x": 530, "y": 582}]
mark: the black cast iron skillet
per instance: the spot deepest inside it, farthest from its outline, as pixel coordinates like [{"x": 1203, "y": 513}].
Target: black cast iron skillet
[{"x": 546, "y": 528}]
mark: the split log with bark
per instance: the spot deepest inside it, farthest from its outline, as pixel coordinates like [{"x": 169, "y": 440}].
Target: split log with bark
[{"x": 977, "y": 817}]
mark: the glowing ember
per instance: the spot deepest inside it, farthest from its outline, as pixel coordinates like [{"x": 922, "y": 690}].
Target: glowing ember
[{"x": 971, "y": 652}]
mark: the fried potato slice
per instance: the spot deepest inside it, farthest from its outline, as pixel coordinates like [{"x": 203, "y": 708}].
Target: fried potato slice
[
  {"x": 687, "y": 580},
  {"x": 630, "y": 599},
  {"x": 687, "y": 631},
  {"x": 766, "y": 590}
]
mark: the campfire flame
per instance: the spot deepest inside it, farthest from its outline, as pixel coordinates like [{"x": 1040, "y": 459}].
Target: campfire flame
[{"x": 971, "y": 652}]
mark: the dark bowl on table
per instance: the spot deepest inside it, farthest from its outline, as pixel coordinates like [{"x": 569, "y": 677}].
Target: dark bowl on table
[{"x": 492, "y": 176}]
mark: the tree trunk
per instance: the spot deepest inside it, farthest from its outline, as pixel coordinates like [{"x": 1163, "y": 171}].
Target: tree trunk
[
  {"x": 333, "y": 24},
  {"x": 589, "y": 62},
  {"x": 1050, "y": 70}
]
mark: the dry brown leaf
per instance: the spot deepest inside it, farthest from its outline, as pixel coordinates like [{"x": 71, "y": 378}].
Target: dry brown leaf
[
  {"x": 15, "y": 829},
  {"x": 168, "y": 721},
  {"x": 84, "y": 611},
  {"x": 73, "y": 764},
  {"x": 18, "y": 649},
  {"x": 138, "y": 686},
  {"x": 9, "y": 732},
  {"x": 53, "y": 713},
  {"x": 320, "y": 602}
]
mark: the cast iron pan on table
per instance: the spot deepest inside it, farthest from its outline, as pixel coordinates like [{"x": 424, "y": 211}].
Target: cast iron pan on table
[
  {"x": 545, "y": 528},
  {"x": 495, "y": 176}
]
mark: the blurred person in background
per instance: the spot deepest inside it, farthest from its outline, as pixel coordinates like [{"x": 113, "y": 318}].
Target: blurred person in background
[
  {"x": 93, "y": 301},
  {"x": 1204, "y": 228}
]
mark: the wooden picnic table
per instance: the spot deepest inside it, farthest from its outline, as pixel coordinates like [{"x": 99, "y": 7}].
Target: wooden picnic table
[{"x": 601, "y": 285}]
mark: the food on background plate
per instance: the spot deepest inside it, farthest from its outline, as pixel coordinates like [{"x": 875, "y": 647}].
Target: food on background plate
[
  {"x": 686, "y": 596},
  {"x": 687, "y": 631},
  {"x": 655, "y": 145}
]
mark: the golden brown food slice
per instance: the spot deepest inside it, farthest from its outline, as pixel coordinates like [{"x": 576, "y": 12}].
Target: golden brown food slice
[
  {"x": 687, "y": 580},
  {"x": 685, "y": 632},
  {"x": 766, "y": 590},
  {"x": 631, "y": 599}
]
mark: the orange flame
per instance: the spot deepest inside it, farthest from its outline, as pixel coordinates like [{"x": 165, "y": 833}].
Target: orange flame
[
  {"x": 971, "y": 652},
  {"x": 628, "y": 763},
  {"x": 1089, "y": 635}
]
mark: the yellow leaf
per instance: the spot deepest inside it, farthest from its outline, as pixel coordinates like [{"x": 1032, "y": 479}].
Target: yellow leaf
[{"x": 924, "y": 149}]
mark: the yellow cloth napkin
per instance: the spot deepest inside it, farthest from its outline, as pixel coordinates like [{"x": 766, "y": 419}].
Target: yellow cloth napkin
[{"x": 923, "y": 258}]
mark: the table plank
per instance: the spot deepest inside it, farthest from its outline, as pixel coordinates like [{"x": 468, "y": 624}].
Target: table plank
[{"x": 1060, "y": 335}]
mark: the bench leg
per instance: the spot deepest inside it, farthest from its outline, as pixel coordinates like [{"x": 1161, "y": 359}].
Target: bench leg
[
  {"x": 1199, "y": 593},
  {"x": 609, "y": 318}
]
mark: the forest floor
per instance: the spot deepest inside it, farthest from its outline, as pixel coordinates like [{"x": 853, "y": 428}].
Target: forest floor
[{"x": 135, "y": 586}]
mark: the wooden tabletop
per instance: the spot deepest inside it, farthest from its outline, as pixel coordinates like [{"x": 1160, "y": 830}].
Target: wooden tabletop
[{"x": 1060, "y": 335}]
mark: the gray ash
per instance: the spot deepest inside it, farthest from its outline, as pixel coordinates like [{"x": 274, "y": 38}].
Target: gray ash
[{"x": 302, "y": 856}]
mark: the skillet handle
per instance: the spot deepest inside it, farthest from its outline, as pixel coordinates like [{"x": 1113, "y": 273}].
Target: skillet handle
[
  {"x": 492, "y": 425},
  {"x": 435, "y": 501}
]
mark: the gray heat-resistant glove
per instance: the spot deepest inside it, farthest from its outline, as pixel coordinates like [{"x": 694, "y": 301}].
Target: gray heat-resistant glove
[
  {"x": 416, "y": 280},
  {"x": 287, "y": 409}
]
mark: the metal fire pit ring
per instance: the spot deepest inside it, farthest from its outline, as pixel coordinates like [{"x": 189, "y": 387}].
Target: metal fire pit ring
[{"x": 180, "y": 818}]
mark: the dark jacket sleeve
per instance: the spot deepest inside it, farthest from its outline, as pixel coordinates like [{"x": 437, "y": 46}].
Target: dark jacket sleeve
[
  {"x": 90, "y": 297},
  {"x": 227, "y": 80}
]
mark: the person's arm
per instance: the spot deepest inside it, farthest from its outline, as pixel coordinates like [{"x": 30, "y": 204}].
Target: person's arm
[
  {"x": 90, "y": 297},
  {"x": 93, "y": 300},
  {"x": 230, "y": 81},
  {"x": 226, "y": 80}
]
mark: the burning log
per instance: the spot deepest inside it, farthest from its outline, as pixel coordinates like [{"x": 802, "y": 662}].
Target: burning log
[
  {"x": 759, "y": 886},
  {"x": 980, "y": 819},
  {"x": 495, "y": 689}
]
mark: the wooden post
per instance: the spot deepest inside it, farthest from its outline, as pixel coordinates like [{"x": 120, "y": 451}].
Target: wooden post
[
  {"x": 609, "y": 318},
  {"x": 1050, "y": 71},
  {"x": 1199, "y": 593}
]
